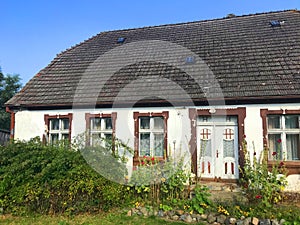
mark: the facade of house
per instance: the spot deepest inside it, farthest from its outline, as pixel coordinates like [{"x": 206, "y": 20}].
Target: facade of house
[{"x": 196, "y": 90}]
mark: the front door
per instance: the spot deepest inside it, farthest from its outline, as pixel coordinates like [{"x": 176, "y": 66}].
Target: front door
[{"x": 217, "y": 147}]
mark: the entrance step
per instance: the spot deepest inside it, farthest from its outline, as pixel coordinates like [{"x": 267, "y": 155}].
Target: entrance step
[{"x": 223, "y": 192}]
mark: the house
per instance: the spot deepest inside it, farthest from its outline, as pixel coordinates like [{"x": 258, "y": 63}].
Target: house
[{"x": 197, "y": 89}]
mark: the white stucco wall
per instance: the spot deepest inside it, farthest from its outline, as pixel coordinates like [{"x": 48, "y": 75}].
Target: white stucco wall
[{"x": 29, "y": 124}]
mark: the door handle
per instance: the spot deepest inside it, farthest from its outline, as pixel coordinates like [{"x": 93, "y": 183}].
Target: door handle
[{"x": 217, "y": 154}]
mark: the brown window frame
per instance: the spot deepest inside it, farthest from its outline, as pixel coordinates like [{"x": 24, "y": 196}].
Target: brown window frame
[
  {"x": 293, "y": 167},
  {"x": 47, "y": 119},
  {"x": 136, "y": 116},
  {"x": 89, "y": 116}
]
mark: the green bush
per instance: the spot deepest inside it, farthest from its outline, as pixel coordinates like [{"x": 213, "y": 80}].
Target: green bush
[
  {"x": 53, "y": 179},
  {"x": 261, "y": 185}
]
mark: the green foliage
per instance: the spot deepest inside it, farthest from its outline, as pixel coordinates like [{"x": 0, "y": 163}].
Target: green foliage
[
  {"x": 262, "y": 186},
  {"x": 52, "y": 179},
  {"x": 200, "y": 202},
  {"x": 160, "y": 183},
  {"x": 9, "y": 86}
]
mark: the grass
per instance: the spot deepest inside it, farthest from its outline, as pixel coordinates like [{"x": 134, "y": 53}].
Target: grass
[{"x": 108, "y": 219}]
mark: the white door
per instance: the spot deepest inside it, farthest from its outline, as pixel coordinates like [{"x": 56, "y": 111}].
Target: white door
[{"x": 217, "y": 139}]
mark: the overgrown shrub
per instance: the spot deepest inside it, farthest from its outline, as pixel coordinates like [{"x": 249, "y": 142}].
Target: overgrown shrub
[
  {"x": 262, "y": 186},
  {"x": 53, "y": 179},
  {"x": 162, "y": 184}
]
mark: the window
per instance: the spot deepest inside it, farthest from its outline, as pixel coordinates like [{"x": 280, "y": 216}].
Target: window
[
  {"x": 58, "y": 127},
  {"x": 99, "y": 127},
  {"x": 283, "y": 136},
  {"x": 150, "y": 134}
]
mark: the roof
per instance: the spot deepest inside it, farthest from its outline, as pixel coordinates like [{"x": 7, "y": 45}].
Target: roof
[{"x": 237, "y": 58}]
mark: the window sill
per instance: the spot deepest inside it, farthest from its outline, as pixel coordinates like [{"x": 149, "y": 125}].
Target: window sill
[
  {"x": 293, "y": 167},
  {"x": 148, "y": 160}
]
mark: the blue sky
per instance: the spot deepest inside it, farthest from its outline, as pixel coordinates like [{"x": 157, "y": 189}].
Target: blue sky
[{"x": 34, "y": 31}]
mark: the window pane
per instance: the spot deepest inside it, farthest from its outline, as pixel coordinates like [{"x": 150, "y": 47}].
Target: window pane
[
  {"x": 159, "y": 144},
  {"x": 144, "y": 144},
  {"x": 108, "y": 123},
  {"x": 274, "y": 122},
  {"x": 65, "y": 124},
  {"x": 96, "y": 140},
  {"x": 108, "y": 136},
  {"x": 95, "y": 123},
  {"x": 158, "y": 123},
  {"x": 53, "y": 138},
  {"x": 145, "y": 123},
  {"x": 291, "y": 121},
  {"x": 275, "y": 146},
  {"x": 205, "y": 147},
  {"x": 228, "y": 146},
  {"x": 65, "y": 136},
  {"x": 54, "y": 124},
  {"x": 292, "y": 146}
]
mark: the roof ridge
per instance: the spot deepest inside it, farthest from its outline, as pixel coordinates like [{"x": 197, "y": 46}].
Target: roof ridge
[{"x": 201, "y": 21}]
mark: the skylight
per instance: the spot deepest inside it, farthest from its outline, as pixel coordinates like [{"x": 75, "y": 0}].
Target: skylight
[
  {"x": 121, "y": 40},
  {"x": 276, "y": 23},
  {"x": 190, "y": 60}
]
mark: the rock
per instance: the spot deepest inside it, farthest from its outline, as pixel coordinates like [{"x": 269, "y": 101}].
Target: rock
[
  {"x": 203, "y": 216},
  {"x": 134, "y": 211},
  {"x": 188, "y": 219},
  {"x": 265, "y": 222},
  {"x": 211, "y": 218},
  {"x": 153, "y": 213},
  {"x": 171, "y": 213},
  {"x": 232, "y": 220},
  {"x": 226, "y": 222},
  {"x": 179, "y": 212},
  {"x": 221, "y": 218},
  {"x": 182, "y": 217},
  {"x": 144, "y": 211},
  {"x": 175, "y": 217},
  {"x": 282, "y": 221},
  {"x": 129, "y": 213},
  {"x": 139, "y": 213},
  {"x": 275, "y": 222},
  {"x": 160, "y": 213},
  {"x": 247, "y": 221},
  {"x": 255, "y": 221},
  {"x": 197, "y": 217},
  {"x": 239, "y": 222}
]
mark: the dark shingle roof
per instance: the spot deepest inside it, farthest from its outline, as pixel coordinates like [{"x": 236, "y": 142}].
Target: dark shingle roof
[{"x": 247, "y": 58}]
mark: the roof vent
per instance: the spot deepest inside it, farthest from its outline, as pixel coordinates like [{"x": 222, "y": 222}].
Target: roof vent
[
  {"x": 276, "y": 23},
  {"x": 121, "y": 40},
  {"x": 230, "y": 15}
]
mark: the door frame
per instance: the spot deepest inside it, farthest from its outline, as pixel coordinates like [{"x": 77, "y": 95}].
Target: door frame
[
  {"x": 240, "y": 112},
  {"x": 218, "y": 160}
]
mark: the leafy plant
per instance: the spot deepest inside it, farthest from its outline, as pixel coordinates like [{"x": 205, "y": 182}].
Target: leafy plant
[
  {"x": 156, "y": 182},
  {"x": 200, "y": 201},
  {"x": 261, "y": 185},
  {"x": 53, "y": 179}
]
